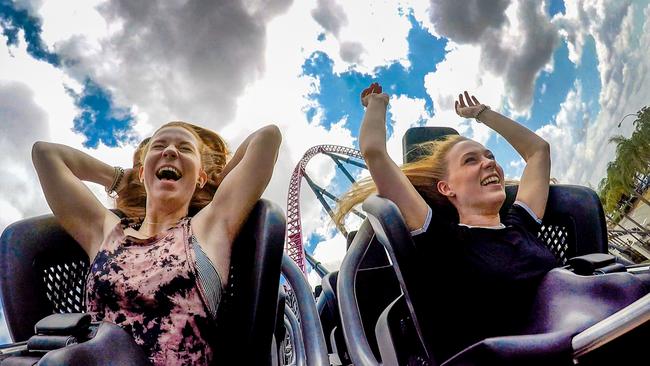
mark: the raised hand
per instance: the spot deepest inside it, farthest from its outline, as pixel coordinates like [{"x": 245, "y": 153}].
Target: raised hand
[
  {"x": 374, "y": 93},
  {"x": 468, "y": 107}
]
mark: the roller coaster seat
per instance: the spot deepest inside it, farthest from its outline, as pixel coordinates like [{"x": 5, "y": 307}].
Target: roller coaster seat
[
  {"x": 375, "y": 268},
  {"x": 566, "y": 303},
  {"x": 43, "y": 271},
  {"x": 573, "y": 225}
]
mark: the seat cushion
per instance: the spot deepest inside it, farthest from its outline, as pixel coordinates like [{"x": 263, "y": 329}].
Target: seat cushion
[
  {"x": 536, "y": 349},
  {"x": 566, "y": 301},
  {"x": 565, "y": 305}
]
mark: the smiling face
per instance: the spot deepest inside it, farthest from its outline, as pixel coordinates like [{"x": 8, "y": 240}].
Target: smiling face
[
  {"x": 475, "y": 182},
  {"x": 171, "y": 167}
]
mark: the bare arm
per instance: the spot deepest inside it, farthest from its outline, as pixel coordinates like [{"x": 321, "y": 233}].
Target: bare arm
[
  {"x": 390, "y": 180},
  {"x": 236, "y": 158},
  {"x": 245, "y": 178},
  {"x": 61, "y": 170},
  {"x": 533, "y": 188}
]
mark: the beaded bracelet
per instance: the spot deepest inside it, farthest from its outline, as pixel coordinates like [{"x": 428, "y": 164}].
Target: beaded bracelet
[
  {"x": 481, "y": 111},
  {"x": 117, "y": 178}
]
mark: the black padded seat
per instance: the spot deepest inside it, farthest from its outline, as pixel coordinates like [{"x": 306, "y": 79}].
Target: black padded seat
[
  {"x": 43, "y": 270},
  {"x": 247, "y": 317},
  {"x": 566, "y": 304},
  {"x": 94, "y": 352},
  {"x": 280, "y": 332},
  {"x": 574, "y": 222},
  {"x": 417, "y": 135},
  {"x": 376, "y": 287}
]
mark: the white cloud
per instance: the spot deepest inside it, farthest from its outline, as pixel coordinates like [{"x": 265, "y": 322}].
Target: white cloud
[
  {"x": 87, "y": 29},
  {"x": 27, "y": 89},
  {"x": 516, "y": 40},
  {"x": 330, "y": 252},
  {"x": 567, "y": 138},
  {"x": 461, "y": 70},
  {"x": 374, "y": 35},
  {"x": 187, "y": 60},
  {"x": 517, "y": 164},
  {"x": 330, "y": 15},
  {"x": 280, "y": 96},
  {"x": 313, "y": 279},
  {"x": 621, "y": 31},
  {"x": 406, "y": 113},
  {"x": 516, "y": 169}
]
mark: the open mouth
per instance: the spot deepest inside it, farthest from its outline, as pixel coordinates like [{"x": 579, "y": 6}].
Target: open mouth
[
  {"x": 493, "y": 179},
  {"x": 168, "y": 173}
]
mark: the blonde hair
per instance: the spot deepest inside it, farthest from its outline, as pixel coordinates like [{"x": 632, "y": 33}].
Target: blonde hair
[
  {"x": 214, "y": 153},
  {"x": 424, "y": 174}
]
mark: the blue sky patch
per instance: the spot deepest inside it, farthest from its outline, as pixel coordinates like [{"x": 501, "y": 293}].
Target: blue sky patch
[
  {"x": 587, "y": 73},
  {"x": 339, "y": 93},
  {"x": 13, "y": 20},
  {"x": 551, "y": 89},
  {"x": 311, "y": 242},
  {"x": 99, "y": 120},
  {"x": 555, "y": 7}
]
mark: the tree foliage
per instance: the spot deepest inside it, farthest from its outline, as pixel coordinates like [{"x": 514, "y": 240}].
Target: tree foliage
[{"x": 631, "y": 165}]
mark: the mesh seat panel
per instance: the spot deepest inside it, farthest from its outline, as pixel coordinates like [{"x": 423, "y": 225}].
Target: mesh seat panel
[
  {"x": 64, "y": 285},
  {"x": 556, "y": 238}
]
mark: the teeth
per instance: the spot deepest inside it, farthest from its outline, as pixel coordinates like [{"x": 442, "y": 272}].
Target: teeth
[
  {"x": 169, "y": 169},
  {"x": 492, "y": 179}
]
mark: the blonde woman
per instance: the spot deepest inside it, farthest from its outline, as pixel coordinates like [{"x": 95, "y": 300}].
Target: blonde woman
[
  {"x": 160, "y": 275},
  {"x": 482, "y": 268}
]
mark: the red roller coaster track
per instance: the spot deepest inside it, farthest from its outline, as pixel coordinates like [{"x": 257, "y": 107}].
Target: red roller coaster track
[{"x": 294, "y": 245}]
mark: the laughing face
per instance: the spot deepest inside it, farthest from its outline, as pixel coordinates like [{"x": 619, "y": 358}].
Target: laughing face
[
  {"x": 172, "y": 169},
  {"x": 475, "y": 182}
]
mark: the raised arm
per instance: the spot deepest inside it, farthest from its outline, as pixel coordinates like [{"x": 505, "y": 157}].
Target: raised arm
[
  {"x": 388, "y": 177},
  {"x": 61, "y": 170},
  {"x": 242, "y": 183},
  {"x": 533, "y": 187}
]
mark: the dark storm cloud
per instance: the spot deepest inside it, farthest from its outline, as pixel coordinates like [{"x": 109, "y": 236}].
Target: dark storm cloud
[
  {"x": 484, "y": 23},
  {"x": 188, "y": 60}
]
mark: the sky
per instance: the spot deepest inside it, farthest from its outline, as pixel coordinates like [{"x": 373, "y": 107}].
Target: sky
[{"x": 100, "y": 75}]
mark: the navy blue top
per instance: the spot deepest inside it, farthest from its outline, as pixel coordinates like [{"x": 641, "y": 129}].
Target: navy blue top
[{"x": 481, "y": 281}]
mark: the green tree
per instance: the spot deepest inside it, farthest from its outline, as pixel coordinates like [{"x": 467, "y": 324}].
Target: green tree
[{"x": 631, "y": 163}]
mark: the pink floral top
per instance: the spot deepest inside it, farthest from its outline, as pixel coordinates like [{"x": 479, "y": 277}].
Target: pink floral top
[{"x": 150, "y": 288}]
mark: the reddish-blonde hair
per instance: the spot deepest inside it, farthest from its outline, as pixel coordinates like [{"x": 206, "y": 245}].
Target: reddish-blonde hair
[{"x": 132, "y": 200}]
